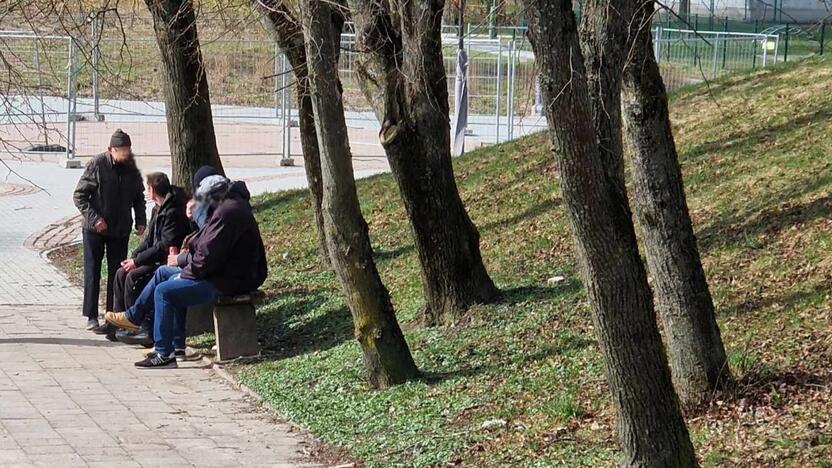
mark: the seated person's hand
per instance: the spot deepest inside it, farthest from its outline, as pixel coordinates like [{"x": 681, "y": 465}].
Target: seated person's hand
[
  {"x": 140, "y": 230},
  {"x": 173, "y": 260},
  {"x": 128, "y": 265}
]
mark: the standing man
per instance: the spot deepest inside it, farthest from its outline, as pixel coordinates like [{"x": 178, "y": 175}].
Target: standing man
[{"x": 108, "y": 191}]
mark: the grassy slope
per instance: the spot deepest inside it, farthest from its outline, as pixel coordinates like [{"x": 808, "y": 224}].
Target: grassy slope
[
  {"x": 758, "y": 177},
  {"x": 754, "y": 153}
]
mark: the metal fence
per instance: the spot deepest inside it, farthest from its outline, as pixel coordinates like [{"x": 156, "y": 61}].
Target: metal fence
[
  {"x": 76, "y": 96},
  {"x": 688, "y": 57},
  {"x": 37, "y": 104}
]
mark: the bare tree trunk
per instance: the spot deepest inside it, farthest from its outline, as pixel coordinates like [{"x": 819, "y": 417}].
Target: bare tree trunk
[
  {"x": 604, "y": 27},
  {"x": 386, "y": 354},
  {"x": 187, "y": 101},
  {"x": 288, "y": 32},
  {"x": 697, "y": 355},
  {"x": 650, "y": 424},
  {"x": 402, "y": 74}
]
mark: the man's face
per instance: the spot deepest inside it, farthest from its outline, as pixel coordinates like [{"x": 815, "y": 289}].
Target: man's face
[
  {"x": 152, "y": 194},
  {"x": 121, "y": 153},
  {"x": 189, "y": 208}
]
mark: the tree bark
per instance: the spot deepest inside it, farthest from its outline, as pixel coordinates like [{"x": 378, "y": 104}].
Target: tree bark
[
  {"x": 387, "y": 357},
  {"x": 697, "y": 355},
  {"x": 402, "y": 74},
  {"x": 288, "y": 33},
  {"x": 187, "y": 100},
  {"x": 650, "y": 424},
  {"x": 604, "y": 27}
]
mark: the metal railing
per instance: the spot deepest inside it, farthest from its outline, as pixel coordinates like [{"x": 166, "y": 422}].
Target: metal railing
[
  {"x": 254, "y": 103},
  {"x": 688, "y": 57}
]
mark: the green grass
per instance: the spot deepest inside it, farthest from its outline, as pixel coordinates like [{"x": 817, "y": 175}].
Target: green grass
[{"x": 754, "y": 151}]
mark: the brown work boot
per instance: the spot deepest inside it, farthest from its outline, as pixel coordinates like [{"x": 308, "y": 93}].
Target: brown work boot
[{"x": 120, "y": 320}]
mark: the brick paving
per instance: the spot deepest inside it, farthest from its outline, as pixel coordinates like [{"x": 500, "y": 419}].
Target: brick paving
[{"x": 70, "y": 398}]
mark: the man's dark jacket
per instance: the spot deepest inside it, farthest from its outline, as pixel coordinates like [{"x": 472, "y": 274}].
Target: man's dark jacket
[
  {"x": 111, "y": 191},
  {"x": 228, "y": 251},
  {"x": 168, "y": 227}
]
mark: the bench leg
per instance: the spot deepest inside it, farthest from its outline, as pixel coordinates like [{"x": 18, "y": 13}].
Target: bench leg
[
  {"x": 199, "y": 319},
  {"x": 236, "y": 331}
]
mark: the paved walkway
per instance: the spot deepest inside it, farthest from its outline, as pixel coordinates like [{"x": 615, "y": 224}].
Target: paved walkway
[{"x": 70, "y": 398}]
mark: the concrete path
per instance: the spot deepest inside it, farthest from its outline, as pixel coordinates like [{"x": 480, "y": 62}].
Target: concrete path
[{"x": 70, "y": 398}]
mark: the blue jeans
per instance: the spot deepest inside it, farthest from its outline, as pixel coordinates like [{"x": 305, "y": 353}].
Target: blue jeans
[
  {"x": 144, "y": 303},
  {"x": 171, "y": 300}
]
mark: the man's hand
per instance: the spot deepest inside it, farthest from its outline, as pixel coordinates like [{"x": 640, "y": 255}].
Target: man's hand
[
  {"x": 140, "y": 230},
  {"x": 128, "y": 265},
  {"x": 100, "y": 225},
  {"x": 173, "y": 260}
]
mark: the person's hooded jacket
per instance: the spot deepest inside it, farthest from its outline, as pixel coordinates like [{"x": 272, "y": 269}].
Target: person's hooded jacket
[
  {"x": 228, "y": 250},
  {"x": 168, "y": 227}
]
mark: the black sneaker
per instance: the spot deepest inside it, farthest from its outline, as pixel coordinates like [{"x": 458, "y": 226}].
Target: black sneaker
[
  {"x": 107, "y": 329},
  {"x": 141, "y": 337},
  {"x": 156, "y": 360}
]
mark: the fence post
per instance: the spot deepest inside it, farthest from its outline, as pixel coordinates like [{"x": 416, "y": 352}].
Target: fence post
[
  {"x": 286, "y": 159},
  {"x": 512, "y": 82},
  {"x": 696, "y": 38},
  {"x": 71, "y": 95},
  {"x": 657, "y": 44},
  {"x": 277, "y": 103},
  {"x": 96, "y": 57},
  {"x": 725, "y": 43},
  {"x": 499, "y": 88},
  {"x": 40, "y": 91},
  {"x": 822, "y": 36},
  {"x": 786, "y": 50},
  {"x": 715, "y": 58}
]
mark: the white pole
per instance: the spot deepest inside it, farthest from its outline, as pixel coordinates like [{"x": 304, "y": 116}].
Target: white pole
[
  {"x": 499, "y": 82},
  {"x": 287, "y": 139},
  {"x": 715, "y": 56},
  {"x": 511, "y": 84}
]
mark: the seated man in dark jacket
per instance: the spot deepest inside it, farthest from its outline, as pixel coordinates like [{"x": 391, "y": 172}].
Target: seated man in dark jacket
[
  {"x": 168, "y": 226},
  {"x": 225, "y": 257}
]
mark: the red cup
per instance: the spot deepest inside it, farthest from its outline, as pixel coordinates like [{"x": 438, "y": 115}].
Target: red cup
[{"x": 173, "y": 251}]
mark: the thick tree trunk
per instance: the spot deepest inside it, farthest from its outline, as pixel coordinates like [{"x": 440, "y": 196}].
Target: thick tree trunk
[
  {"x": 650, "y": 424},
  {"x": 187, "y": 101},
  {"x": 288, "y": 33},
  {"x": 604, "y": 27},
  {"x": 697, "y": 355},
  {"x": 386, "y": 354},
  {"x": 402, "y": 74}
]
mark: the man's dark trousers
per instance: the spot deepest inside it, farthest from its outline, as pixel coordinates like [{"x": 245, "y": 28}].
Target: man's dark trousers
[
  {"x": 94, "y": 248},
  {"x": 128, "y": 286}
]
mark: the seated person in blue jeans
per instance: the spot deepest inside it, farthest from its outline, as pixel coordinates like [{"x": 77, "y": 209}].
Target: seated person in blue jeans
[{"x": 225, "y": 257}]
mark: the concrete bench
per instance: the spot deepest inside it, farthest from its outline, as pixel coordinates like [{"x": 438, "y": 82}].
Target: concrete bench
[{"x": 232, "y": 319}]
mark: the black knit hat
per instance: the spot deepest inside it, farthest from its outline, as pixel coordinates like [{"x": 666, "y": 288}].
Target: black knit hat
[
  {"x": 120, "y": 139},
  {"x": 201, "y": 173}
]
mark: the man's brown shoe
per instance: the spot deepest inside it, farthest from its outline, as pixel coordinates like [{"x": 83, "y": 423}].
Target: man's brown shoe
[{"x": 120, "y": 320}]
